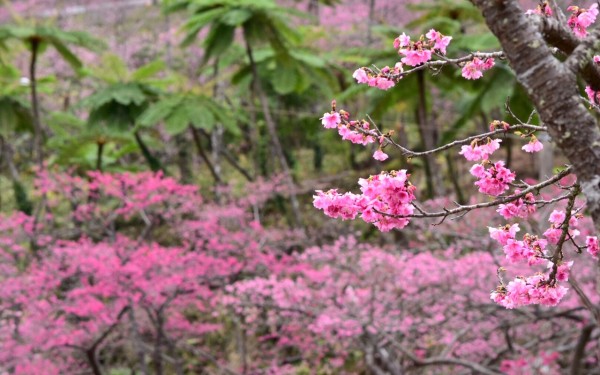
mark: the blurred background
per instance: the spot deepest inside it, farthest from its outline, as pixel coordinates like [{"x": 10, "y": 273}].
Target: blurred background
[{"x": 226, "y": 96}]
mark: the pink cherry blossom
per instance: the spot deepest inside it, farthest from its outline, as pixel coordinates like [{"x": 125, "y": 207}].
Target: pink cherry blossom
[
  {"x": 441, "y": 41},
  {"x": 380, "y": 155},
  {"x": 542, "y": 9},
  {"x": 402, "y": 41},
  {"x": 581, "y": 19},
  {"x": 557, "y": 217},
  {"x": 331, "y": 120},
  {"x": 474, "y": 69},
  {"x": 562, "y": 271},
  {"x": 360, "y": 75},
  {"x": 591, "y": 242},
  {"x": 494, "y": 180},
  {"x": 384, "y": 202},
  {"x": 384, "y": 83},
  {"x": 505, "y": 233},
  {"x": 533, "y": 146},
  {"x": 415, "y": 57},
  {"x": 593, "y": 96},
  {"x": 480, "y": 150},
  {"x": 522, "y": 207}
]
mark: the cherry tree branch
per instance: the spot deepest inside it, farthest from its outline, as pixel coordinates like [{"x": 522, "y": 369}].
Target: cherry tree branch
[
  {"x": 440, "y": 361},
  {"x": 438, "y": 64},
  {"x": 464, "y": 209},
  {"x": 552, "y": 87}
]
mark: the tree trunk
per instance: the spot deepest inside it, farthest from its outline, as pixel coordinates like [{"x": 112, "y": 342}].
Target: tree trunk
[
  {"x": 202, "y": 154},
  {"x": 183, "y": 159},
  {"x": 37, "y": 123},
  {"x": 370, "y": 22},
  {"x": 158, "y": 345},
  {"x": 93, "y": 361},
  {"x": 137, "y": 344},
  {"x": 216, "y": 136},
  {"x": 272, "y": 129},
  {"x": 154, "y": 164},
  {"x": 313, "y": 10},
  {"x": 100, "y": 144},
  {"x": 428, "y": 133}
]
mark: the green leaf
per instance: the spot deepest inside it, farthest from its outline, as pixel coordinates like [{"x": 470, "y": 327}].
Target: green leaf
[
  {"x": 149, "y": 70},
  {"x": 198, "y": 21},
  {"x": 285, "y": 76},
  {"x": 219, "y": 38},
  {"x": 159, "y": 111},
  {"x": 201, "y": 116},
  {"x": 236, "y": 17},
  {"x": 177, "y": 122},
  {"x": 66, "y": 54}
]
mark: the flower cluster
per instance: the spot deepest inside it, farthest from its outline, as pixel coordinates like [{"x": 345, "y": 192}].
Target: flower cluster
[
  {"x": 493, "y": 180},
  {"x": 385, "y": 201},
  {"x": 534, "y": 145},
  {"x": 581, "y": 19},
  {"x": 383, "y": 80},
  {"x": 520, "y": 208},
  {"x": 558, "y": 221},
  {"x": 531, "y": 248},
  {"x": 593, "y": 95},
  {"x": 592, "y": 246},
  {"x": 421, "y": 51},
  {"x": 543, "y": 9},
  {"x": 354, "y": 131},
  {"x": 528, "y": 291},
  {"x": 474, "y": 69},
  {"x": 336, "y": 205},
  {"x": 480, "y": 149}
]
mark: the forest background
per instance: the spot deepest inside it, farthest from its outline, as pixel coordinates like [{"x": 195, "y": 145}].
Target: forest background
[{"x": 158, "y": 166}]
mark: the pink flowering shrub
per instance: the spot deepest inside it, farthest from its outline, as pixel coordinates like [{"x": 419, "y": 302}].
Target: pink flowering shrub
[
  {"x": 416, "y": 306},
  {"x": 124, "y": 260}
]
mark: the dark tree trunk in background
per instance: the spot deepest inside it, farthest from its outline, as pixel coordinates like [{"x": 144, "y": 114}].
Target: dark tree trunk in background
[
  {"x": 428, "y": 133},
  {"x": 183, "y": 159},
  {"x": 276, "y": 143},
  {"x": 154, "y": 164},
  {"x": 34, "y": 44},
  {"x": 203, "y": 156}
]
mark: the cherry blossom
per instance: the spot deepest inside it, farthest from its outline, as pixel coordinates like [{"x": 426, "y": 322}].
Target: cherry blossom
[
  {"x": 380, "y": 155},
  {"x": 331, "y": 120},
  {"x": 581, "y": 19},
  {"x": 474, "y": 69},
  {"x": 534, "y": 145},
  {"x": 480, "y": 150}
]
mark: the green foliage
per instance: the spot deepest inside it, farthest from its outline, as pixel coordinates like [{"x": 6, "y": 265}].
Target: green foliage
[
  {"x": 44, "y": 36},
  {"x": 81, "y": 150},
  {"x": 15, "y": 111},
  {"x": 487, "y": 94},
  {"x": 178, "y": 111},
  {"x": 119, "y": 105},
  {"x": 23, "y": 203},
  {"x": 125, "y": 95}
]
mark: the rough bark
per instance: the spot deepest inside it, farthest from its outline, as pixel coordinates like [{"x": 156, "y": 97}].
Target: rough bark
[{"x": 553, "y": 89}]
